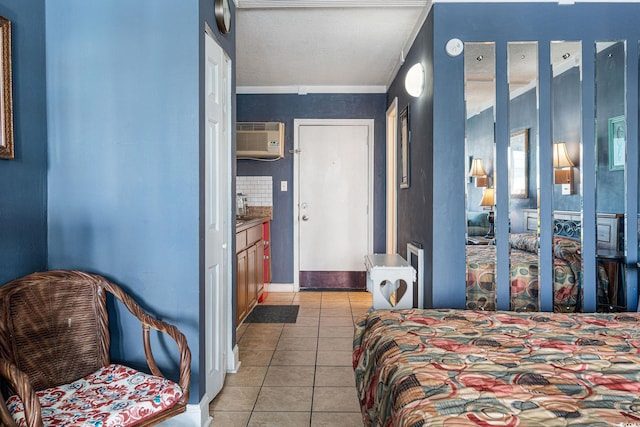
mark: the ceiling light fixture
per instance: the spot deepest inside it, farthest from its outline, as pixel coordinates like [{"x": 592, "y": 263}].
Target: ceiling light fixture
[{"x": 414, "y": 81}]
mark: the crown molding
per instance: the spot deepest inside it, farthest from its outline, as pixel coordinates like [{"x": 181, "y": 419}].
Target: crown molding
[
  {"x": 304, "y": 90},
  {"x": 270, "y": 4}
]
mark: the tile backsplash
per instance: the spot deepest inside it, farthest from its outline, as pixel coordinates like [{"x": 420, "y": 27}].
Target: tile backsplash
[{"x": 258, "y": 189}]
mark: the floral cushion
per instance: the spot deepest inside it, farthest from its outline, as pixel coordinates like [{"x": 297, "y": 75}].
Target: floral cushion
[{"x": 115, "y": 396}]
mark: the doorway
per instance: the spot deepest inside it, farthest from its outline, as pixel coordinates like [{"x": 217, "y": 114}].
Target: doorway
[
  {"x": 392, "y": 180},
  {"x": 333, "y": 224}
]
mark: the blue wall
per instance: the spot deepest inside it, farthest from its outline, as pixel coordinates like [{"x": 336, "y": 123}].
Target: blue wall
[
  {"x": 542, "y": 22},
  {"x": 523, "y": 114},
  {"x": 284, "y": 108},
  {"x": 566, "y": 126},
  {"x": 480, "y": 143},
  {"x": 415, "y": 204},
  {"x": 610, "y": 81},
  {"x": 124, "y": 155},
  {"x": 23, "y": 244}
]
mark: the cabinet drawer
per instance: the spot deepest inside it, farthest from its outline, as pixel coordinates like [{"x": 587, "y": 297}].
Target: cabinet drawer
[
  {"x": 241, "y": 240},
  {"x": 254, "y": 234}
]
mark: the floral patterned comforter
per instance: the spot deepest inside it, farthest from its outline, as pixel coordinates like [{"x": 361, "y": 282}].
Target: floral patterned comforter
[
  {"x": 478, "y": 368},
  {"x": 567, "y": 270}
]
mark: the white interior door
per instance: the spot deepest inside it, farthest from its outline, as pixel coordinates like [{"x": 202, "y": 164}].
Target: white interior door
[
  {"x": 217, "y": 188},
  {"x": 333, "y": 196}
]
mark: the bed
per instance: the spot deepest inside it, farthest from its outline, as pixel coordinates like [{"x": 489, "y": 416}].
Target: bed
[
  {"x": 567, "y": 266},
  {"x": 480, "y": 368}
]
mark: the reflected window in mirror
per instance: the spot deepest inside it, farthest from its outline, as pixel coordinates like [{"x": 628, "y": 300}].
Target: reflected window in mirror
[
  {"x": 566, "y": 125},
  {"x": 611, "y": 142},
  {"x": 480, "y": 97},
  {"x": 523, "y": 175}
]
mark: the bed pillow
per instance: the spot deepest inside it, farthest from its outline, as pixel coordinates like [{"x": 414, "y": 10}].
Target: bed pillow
[{"x": 525, "y": 242}]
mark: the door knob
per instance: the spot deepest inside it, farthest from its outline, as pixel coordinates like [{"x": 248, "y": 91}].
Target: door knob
[{"x": 305, "y": 218}]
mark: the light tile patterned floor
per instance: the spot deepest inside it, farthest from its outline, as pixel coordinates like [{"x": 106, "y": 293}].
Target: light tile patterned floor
[{"x": 296, "y": 374}]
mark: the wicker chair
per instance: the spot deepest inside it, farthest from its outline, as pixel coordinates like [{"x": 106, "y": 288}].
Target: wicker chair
[{"x": 54, "y": 331}]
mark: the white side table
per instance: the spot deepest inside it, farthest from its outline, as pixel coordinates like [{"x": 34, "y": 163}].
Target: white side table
[{"x": 384, "y": 275}]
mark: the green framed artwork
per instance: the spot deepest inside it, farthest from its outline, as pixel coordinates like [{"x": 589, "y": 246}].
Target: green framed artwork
[{"x": 617, "y": 143}]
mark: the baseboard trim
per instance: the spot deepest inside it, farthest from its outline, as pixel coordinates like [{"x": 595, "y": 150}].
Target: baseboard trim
[
  {"x": 196, "y": 415},
  {"x": 234, "y": 363},
  {"x": 280, "y": 287}
]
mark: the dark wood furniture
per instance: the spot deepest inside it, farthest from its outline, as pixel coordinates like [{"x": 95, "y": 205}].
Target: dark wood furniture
[
  {"x": 250, "y": 265},
  {"x": 614, "y": 264},
  {"x": 54, "y": 330},
  {"x": 479, "y": 240}
]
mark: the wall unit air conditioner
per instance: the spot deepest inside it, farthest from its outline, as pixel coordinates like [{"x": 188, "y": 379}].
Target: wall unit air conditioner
[{"x": 260, "y": 140}]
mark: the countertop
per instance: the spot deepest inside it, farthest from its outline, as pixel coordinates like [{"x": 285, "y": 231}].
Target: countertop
[{"x": 246, "y": 223}]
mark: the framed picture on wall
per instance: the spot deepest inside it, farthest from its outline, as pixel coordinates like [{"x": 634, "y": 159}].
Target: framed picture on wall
[
  {"x": 405, "y": 136},
  {"x": 617, "y": 143},
  {"x": 6, "y": 102},
  {"x": 519, "y": 164}
]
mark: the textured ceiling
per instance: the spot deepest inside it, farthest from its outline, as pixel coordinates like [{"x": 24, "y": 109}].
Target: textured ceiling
[{"x": 319, "y": 49}]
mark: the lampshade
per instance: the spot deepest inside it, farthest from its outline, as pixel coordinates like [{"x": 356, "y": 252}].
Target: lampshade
[
  {"x": 414, "y": 81},
  {"x": 477, "y": 168},
  {"x": 560, "y": 156},
  {"x": 488, "y": 197}
]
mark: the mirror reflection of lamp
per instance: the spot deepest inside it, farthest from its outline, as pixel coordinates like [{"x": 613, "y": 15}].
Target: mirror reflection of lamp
[
  {"x": 479, "y": 173},
  {"x": 488, "y": 200},
  {"x": 563, "y": 167}
]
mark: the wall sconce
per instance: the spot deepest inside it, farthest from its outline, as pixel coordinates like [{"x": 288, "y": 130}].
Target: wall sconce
[
  {"x": 477, "y": 171},
  {"x": 563, "y": 168},
  {"x": 414, "y": 81},
  {"x": 488, "y": 200}
]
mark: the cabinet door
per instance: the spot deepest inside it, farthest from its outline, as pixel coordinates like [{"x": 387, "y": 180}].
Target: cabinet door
[
  {"x": 260, "y": 267},
  {"x": 252, "y": 283},
  {"x": 266, "y": 264},
  {"x": 241, "y": 286}
]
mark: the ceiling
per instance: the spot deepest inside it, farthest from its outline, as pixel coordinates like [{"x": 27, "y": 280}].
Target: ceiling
[{"x": 307, "y": 46}]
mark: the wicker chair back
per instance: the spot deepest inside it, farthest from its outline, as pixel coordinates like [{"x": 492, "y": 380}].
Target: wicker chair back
[{"x": 54, "y": 326}]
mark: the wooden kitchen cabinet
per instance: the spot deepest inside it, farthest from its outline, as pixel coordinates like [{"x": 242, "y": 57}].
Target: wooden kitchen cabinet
[
  {"x": 241, "y": 289},
  {"x": 250, "y": 268},
  {"x": 252, "y": 279}
]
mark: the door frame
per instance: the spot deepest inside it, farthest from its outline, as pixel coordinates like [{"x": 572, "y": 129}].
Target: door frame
[
  {"x": 392, "y": 179},
  {"x": 297, "y": 123}
]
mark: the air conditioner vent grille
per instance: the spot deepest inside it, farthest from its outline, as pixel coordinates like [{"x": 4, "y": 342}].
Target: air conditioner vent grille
[
  {"x": 258, "y": 126},
  {"x": 260, "y": 140}
]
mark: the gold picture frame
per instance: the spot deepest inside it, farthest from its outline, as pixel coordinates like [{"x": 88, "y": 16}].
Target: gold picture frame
[{"x": 6, "y": 98}]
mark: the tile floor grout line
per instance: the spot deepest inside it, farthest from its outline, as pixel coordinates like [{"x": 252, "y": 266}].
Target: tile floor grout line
[{"x": 327, "y": 304}]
